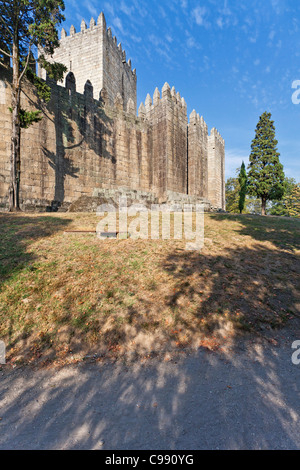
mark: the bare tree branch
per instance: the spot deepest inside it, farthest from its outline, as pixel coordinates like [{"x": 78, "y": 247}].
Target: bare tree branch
[
  {"x": 5, "y": 25},
  {"x": 27, "y": 62},
  {"x": 5, "y": 53}
]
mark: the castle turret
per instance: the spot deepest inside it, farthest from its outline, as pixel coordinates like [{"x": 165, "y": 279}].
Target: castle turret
[
  {"x": 92, "y": 54},
  {"x": 167, "y": 117},
  {"x": 197, "y": 156},
  {"x": 216, "y": 169}
]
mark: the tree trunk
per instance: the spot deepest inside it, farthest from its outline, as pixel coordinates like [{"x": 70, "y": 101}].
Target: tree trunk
[
  {"x": 14, "y": 203},
  {"x": 263, "y": 206}
]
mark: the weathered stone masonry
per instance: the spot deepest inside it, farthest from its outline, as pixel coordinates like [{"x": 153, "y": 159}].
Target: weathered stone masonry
[
  {"x": 94, "y": 54},
  {"x": 90, "y": 141}
]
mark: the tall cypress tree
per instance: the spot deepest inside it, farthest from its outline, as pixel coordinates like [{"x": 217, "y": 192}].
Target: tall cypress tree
[
  {"x": 243, "y": 180},
  {"x": 265, "y": 175}
]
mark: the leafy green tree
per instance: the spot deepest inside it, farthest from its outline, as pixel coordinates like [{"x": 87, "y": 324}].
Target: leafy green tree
[
  {"x": 252, "y": 204},
  {"x": 279, "y": 208},
  {"x": 25, "y": 27},
  {"x": 243, "y": 182},
  {"x": 265, "y": 172},
  {"x": 292, "y": 202},
  {"x": 232, "y": 189}
]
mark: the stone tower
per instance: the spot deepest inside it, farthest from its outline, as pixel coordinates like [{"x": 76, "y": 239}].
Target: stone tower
[
  {"x": 216, "y": 169},
  {"x": 93, "y": 55}
]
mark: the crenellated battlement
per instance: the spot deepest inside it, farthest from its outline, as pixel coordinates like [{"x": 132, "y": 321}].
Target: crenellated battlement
[
  {"x": 101, "y": 23},
  {"x": 214, "y": 134},
  {"x": 94, "y": 54},
  {"x": 99, "y": 26},
  {"x": 167, "y": 95},
  {"x": 198, "y": 122}
]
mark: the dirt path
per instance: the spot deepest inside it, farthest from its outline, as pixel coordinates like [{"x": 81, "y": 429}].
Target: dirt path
[{"x": 246, "y": 400}]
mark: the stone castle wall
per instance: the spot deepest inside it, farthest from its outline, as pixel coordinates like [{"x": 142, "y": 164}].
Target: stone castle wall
[
  {"x": 79, "y": 147},
  {"x": 91, "y": 141}
]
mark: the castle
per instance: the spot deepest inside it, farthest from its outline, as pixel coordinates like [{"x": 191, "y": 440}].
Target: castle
[{"x": 91, "y": 143}]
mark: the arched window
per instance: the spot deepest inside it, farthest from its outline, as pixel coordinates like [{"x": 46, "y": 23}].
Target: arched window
[
  {"x": 71, "y": 82},
  {"x": 103, "y": 97},
  {"x": 89, "y": 90}
]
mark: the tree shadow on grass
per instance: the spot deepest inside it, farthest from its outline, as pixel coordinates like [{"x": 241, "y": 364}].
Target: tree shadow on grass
[
  {"x": 248, "y": 282},
  {"x": 245, "y": 399},
  {"x": 254, "y": 288},
  {"x": 217, "y": 294},
  {"x": 17, "y": 234},
  {"x": 283, "y": 232}
]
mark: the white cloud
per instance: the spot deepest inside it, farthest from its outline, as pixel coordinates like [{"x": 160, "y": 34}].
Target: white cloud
[
  {"x": 136, "y": 39},
  {"x": 191, "y": 42},
  {"x": 276, "y": 4},
  {"x": 118, "y": 24},
  {"x": 272, "y": 35},
  {"x": 226, "y": 17},
  {"x": 169, "y": 38},
  {"x": 91, "y": 8},
  {"x": 199, "y": 14},
  {"x": 220, "y": 22},
  {"x": 155, "y": 40},
  {"x": 126, "y": 9},
  {"x": 108, "y": 8},
  {"x": 253, "y": 39}
]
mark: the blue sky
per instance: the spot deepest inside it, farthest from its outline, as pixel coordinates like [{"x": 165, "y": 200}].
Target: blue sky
[{"x": 230, "y": 59}]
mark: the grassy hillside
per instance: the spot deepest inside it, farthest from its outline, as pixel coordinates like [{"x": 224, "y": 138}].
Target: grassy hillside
[{"x": 65, "y": 295}]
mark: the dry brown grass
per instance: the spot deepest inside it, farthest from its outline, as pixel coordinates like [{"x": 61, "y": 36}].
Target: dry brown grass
[{"x": 63, "y": 295}]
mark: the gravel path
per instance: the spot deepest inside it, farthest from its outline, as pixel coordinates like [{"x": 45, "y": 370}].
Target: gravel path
[{"x": 247, "y": 399}]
